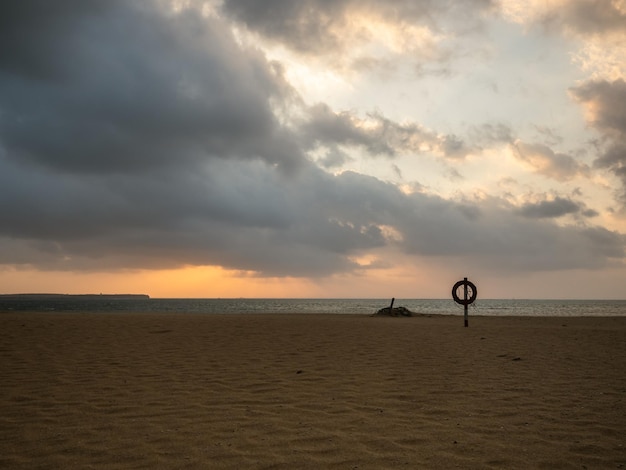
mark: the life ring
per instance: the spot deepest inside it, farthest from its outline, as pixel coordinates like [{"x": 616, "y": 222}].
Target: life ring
[{"x": 470, "y": 285}]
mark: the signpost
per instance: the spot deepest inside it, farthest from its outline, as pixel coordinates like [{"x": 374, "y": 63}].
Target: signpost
[{"x": 469, "y": 295}]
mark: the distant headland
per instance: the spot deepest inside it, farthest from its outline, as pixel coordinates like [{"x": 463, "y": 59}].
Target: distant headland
[{"x": 72, "y": 296}]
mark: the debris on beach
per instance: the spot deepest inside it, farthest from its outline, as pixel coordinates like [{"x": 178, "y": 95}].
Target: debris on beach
[{"x": 395, "y": 312}]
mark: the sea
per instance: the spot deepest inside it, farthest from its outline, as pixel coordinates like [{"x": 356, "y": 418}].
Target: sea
[{"x": 484, "y": 307}]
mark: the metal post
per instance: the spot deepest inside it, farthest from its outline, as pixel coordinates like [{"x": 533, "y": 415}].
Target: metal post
[{"x": 465, "y": 301}]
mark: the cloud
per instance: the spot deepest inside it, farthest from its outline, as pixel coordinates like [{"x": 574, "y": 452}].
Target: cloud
[
  {"x": 604, "y": 103},
  {"x": 248, "y": 216},
  {"x": 543, "y": 160},
  {"x": 377, "y": 134},
  {"x": 599, "y": 25},
  {"x": 491, "y": 233},
  {"x": 145, "y": 138},
  {"x": 351, "y": 33},
  {"x": 118, "y": 86},
  {"x": 588, "y": 17},
  {"x": 334, "y": 157},
  {"x": 318, "y": 25},
  {"x": 553, "y": 208},
  {"x": 492, "y": 133},
  {"x": 584, "y": 17},
  {"x": 244, "y": 215}
]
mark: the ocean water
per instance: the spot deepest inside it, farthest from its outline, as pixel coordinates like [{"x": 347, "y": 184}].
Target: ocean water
[{"x": 488, "y": 307}]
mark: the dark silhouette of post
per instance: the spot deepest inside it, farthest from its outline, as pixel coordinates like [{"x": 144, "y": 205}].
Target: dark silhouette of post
[{"x": 465, "y": 303}]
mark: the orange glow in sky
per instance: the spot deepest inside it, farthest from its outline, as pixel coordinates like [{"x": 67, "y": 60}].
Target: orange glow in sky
[{"x": 191, "y": 282}]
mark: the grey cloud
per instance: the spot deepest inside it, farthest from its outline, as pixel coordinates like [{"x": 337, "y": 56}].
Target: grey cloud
[
  {"x": 326, "y": 126},
  {"x": 605, "y": 101},
  {"x": 116, "y": 86},
  {"x": 491, "y": 133},
  {"x": 378, "y": 134},
  {"x": 397, "y": 171},
  {"x": 243, "y": 215},
  {"x": 556, "y": 207},
  {"x": 603, "y": 242},
  {"x": 549, "y": 163},
  {"x": 334, "y": 157},
  {"x": 549, "y": 135},
  {"x": 586, "y": 17},
  {"x": 614, "y": 158},
  {"x": 247, "y": 216},
  {"x": 589, "y": 213},
  {"x": 325, "y": 27},
  {"x": 453, "y": 147},
  {"x": 305, "y": 25},
  {"x": 36, "y": 34},
  {"x": 496, "y": 238},
  {"x": 453, "y": 174}
]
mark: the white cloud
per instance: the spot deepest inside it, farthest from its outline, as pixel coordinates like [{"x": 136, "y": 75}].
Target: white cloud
[{"x": 543, "y": 160}]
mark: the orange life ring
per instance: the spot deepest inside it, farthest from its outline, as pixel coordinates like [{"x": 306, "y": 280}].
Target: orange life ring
[{"x": 470, "y": 285}]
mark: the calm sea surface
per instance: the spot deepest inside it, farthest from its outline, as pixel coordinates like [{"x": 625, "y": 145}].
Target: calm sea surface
[{"x": 492, "y": 307}]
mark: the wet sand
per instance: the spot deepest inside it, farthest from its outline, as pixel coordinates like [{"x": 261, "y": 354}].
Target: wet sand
[{"x": 122, "y": 391}]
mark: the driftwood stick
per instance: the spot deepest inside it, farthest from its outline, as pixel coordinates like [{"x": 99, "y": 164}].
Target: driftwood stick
[{"x": 393, "y": 299}]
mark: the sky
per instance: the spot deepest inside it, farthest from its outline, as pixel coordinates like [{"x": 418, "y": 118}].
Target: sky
[{"x": 271, "y": 148}]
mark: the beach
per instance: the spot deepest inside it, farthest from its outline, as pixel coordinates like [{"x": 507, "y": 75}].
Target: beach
[{"x": 141, "y": 390}]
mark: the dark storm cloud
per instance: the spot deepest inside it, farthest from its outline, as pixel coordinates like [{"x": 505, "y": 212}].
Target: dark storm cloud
[
  {"x": 249, "y": 217},
  {"x": 242, "y": 215},
  {"x": 35, "y": 34},
  {"x": 606, "y": 102},
  {"x": 116, "y": 86}
]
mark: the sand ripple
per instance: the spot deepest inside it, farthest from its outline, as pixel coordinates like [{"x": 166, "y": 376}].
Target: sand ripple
[{"x": 310, "y": 391}]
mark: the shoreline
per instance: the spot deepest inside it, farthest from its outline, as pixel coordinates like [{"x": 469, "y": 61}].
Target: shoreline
[
  {"x": 488, "y": 308},
  {"x": 415, "y": 315}
]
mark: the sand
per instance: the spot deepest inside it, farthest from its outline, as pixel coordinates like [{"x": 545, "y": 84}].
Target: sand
[{"x": 310, "y": 391}]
